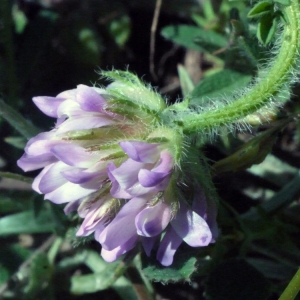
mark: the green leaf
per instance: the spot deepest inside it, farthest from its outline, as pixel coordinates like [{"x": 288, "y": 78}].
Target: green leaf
[
  {"x": 181, "y": 270},
  {"x": 26, "y": 222},
  {"x": 16, "y": 177},
  {"x": 281, "y": 199},
  {"x": 92, "y": 283},
  {"x": 186, "y": 82},
  {"x": 124, "y": 289},
  {"x": 120, "y": 29},
  {"x": 252, "y": 152},
  {"x": 235, "y": 279},
  {"x": 17, "y": 121},
  {"x": 283, "y": 2},
  {"x": 224, "y": 83},
  {"x": 271, "y": 269},
  {"x": 16, "y": 141},
  {"x": 105, "y": 276},
  {"x": 87, "y": 46},
  {"x": 193, "y": 37},
  {"x": 274, "y": 170},
  {"x": 266, "y": 28},
  {"x": 260, "y": 9},
  {"x": 19, "y": 18},
  {"x": 39, "y": 275}
]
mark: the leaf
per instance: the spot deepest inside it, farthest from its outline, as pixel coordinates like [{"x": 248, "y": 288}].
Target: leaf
[
  {"x": 181, "y": 270},
  {"x": 186, "y": 82},
  {"x": 16, "y": 141},
  {"x": 274, "y": 170},
  {"x": 235, "y": 279},
  {"x": 17, "y": 121},
  {"x": 193, "y": 37},
  {"x": 271, "y": 269},
  {"x": 39, "y": 275},
  {"x": 260, "y": 9},
  {"x": 124, "y": 289},
  {"x": 283, "y": 2},
  {"x": 281, "y": 199},
  {"x": 105, "y": 276},
  {"x": 266, "y": 28},
  {"x": 26, "y": 222},
  {"x": 120, "y": 29},
  {"x": 224, "y": 83},
  {"x": 252, "y": 152},
  {"x": 17, "y": 177}
]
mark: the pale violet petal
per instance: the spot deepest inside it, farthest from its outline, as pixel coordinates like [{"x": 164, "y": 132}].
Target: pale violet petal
[
  {"x": 89, "y": 99},
  {"x": 192, "y": 228},
  {"x": 152, "y": 220},
  {"x": 74, "y": 155},
  {"x": 141, "y": 151},
  {"x": 48, "y": 105},
  {"x": 168, "y": 247}
]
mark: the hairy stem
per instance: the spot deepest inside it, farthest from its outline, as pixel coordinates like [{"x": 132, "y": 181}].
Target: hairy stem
[{"x": 261, "y": 93}]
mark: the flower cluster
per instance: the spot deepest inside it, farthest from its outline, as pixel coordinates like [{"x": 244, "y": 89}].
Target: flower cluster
[{"x": 111, "y": 158}]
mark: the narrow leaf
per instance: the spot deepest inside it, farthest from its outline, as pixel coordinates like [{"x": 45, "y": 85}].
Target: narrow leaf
[
  {"x": 266, "y": 28},
  {"x": 25, "y": 222},
  {"x": 252, "y": 152},
  {"x": 186, "y": 82},
  {"x": 16, "y": 120},
  {"x": 260, "y": 9},
  {"x": 16, "y": 177},
  {"x": 39, "y": 275},
  {"x": 283, "y": 2},
  {"x": 283, "y": 198}
]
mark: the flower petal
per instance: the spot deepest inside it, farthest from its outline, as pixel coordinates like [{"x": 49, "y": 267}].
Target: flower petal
[
  {"x": 122, "y": 228},
  {"x": 122, "y": 175},
  {"x": 30, "y": 163},
  {"x": 192, "y": 228},
  {"x": 72, "y": 206},
  {"x": 140, "y": 151},
  {"x": 70, "y": 192},
  {"x": 53, "y": 178},
  {"x": 85, "y": 121},
  {"x": 165, "y": 164},
  {"x": 69, "y": 108},
  {"x": 168, "y": 246},
  {"x": 152, "y": 220},
  {"x": 148, "y": 244},
  {"x": 89, "y": 99},
  {"x": 112, "y": 255},
  {"x": 74, "y": 155},
  {"x": 149, "y": 179},
  {"x": 37, "y": 179},
  {"x": 48, "y": 105},
  {"x": 43, "y": 136},
  {"x": 82, "y": 175}
]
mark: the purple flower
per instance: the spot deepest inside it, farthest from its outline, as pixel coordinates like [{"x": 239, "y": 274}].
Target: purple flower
[{"x": 115, "y": 164}]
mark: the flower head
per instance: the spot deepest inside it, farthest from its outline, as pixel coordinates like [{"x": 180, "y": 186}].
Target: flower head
[{"x": 111, "y": 158}]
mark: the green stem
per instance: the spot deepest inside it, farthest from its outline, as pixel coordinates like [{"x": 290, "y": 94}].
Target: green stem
[
  {"x": 292, "y": 289},
  {"x": 261, "y": 93}
]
